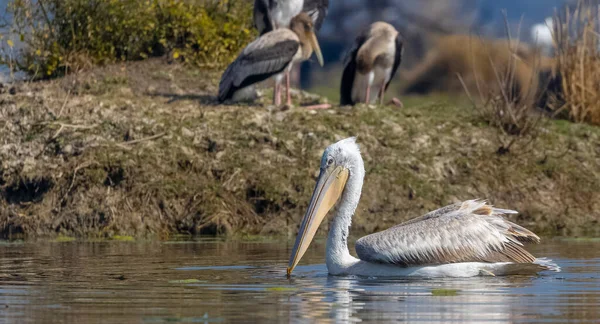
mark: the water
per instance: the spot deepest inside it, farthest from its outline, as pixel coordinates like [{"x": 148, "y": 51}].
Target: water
[{"x": 224, "y": 282}]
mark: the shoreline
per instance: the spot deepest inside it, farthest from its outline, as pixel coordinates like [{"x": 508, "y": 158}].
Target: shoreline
[{"x": 142, "y": 149}]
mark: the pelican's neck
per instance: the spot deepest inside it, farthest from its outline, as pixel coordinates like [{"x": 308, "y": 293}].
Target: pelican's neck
[{"x": 338, "y": 256}]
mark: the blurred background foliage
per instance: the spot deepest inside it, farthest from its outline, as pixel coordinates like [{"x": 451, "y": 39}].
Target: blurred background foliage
[
  {"x": 68, "y": 35},
  {"x": 559, "y": 41}
]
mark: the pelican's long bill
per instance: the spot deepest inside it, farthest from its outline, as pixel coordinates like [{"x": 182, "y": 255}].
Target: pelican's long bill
[
  {"x": 315, "y": 45},
  {"x": 328, "y": 190}
]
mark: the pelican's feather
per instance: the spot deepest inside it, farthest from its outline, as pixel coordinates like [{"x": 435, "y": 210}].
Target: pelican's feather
[{"x": 472, "y": 231}]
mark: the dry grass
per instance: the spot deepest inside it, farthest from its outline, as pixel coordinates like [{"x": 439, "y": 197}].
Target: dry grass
[
  {"x": 143, "y": 148},
  {"x": 508, "y": 99},
  {"x": 577, "y": 42}
]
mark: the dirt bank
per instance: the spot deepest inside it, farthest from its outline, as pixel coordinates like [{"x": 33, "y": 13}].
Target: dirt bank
[{"x": 142, "y": 149}]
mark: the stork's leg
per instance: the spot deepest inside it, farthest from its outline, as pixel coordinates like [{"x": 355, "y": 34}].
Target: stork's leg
[
  {"x": 277, "y": 94},
  {"x": 287, "y": 87},
  {"x": 381, "y": 93},
  {"x": 368, "y": 99}
]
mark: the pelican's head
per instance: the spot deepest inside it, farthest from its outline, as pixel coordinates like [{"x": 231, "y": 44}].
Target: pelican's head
[
  {"x": 340, "y": 162},
  {"x": 303, "y": 26}
]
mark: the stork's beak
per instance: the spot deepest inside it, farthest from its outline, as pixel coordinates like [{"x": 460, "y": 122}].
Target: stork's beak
[
  {"x": 328, "y": 190},
  {"x": 315, "y": 45}
]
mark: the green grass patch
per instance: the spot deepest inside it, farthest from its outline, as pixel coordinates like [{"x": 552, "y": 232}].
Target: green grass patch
[
  {"x": 122, "y": 238},
  {"x": 444, "y": 292},
  {"x": 64, "y": 238}
]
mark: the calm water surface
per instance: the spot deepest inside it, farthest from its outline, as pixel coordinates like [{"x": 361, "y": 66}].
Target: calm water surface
[{"x": 223, "y": 282}]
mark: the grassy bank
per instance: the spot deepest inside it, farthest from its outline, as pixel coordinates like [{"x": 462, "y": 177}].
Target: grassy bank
[{"x": 143, "y": 149}]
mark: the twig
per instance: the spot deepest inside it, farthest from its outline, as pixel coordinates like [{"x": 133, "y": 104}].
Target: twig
[
  {"x": 63, "y": 126},
  {"x": 466, "y": 89},
  {"x": 228, "y": 182},
  {"x": 46, "y": 17},
  {"x": 79, "y": 167},
  {"x": 145, "y": 139},
  {"x": 64, "y": 104}
]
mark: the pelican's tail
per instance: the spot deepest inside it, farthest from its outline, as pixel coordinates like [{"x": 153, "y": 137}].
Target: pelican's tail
[
  {"x": 511, "y": 269},
  {"x": 548, "y": 264}
]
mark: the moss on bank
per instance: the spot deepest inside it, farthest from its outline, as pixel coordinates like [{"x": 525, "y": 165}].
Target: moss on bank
[{"x": 143, "y": 149}]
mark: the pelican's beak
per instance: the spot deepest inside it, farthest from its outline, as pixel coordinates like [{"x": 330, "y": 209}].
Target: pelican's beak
[
  {"x": 328, "y": 190},
  {"x": 315, "y": 45}
]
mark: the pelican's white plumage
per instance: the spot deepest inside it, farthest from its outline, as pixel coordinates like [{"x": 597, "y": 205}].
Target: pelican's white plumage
[{"x": 461, "y": 240}]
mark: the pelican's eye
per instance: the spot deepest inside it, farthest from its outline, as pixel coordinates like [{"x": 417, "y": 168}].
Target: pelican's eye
[{"x": 329, "y": 161}]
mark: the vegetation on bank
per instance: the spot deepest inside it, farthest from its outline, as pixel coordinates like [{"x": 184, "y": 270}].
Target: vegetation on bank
[
  {"x": 144, "y": 149},
  {"x": 63, "y": 36},
  {"x": 577, "y": 47}
]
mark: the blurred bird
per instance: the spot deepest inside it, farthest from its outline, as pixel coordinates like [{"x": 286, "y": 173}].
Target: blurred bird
[
  {"x": 317, "y": 10},
  {"x": 542, "y": 35},
  {"x": 371, "y": 64},
  {"x": 271, "y": 55},
  {"x": 273, "y": 14}
]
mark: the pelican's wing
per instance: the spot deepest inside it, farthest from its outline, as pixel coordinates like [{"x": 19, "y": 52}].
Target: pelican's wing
[
  {"x": 262, "y": 16},
  {"x": 266, "y": 56},
  {"x": 350, "y": 70},
  {"x": 317, "y": 10},
  {"x": 397, "y": 58},
  {"x": 471, "y": 231}
]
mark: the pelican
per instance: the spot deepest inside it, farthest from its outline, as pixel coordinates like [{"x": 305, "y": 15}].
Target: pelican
[
  {"x": 371, "y": 64},
  {"x": 271, "y": 55},
  {"x": 460, "y": 240}
]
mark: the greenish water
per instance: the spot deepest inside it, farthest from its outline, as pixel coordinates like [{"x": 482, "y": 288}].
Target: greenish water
[{"x": 224, "y": 282}]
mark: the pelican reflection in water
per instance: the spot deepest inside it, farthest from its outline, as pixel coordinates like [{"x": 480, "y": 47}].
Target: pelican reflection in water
[{"x": 465, "y": 239}]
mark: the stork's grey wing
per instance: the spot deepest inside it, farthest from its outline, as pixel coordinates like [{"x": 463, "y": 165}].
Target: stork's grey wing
[
  {"x": 262, "y": 16},
  {"x": 269, "y": 55},
  {"x": 397, "y": 58},
  {"x": 350, "y": 71},
  {"x": 471, "y": 231},
  {"x": 317, "y": 10}
]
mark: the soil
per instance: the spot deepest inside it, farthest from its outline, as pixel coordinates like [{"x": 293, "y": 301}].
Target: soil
[{"x": 144, "y": 149}]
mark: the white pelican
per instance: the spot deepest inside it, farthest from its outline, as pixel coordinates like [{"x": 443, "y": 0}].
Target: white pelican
[
  {"x": 461, "y": 240},
  {"x": 371, "y": 64},
  {"x": 270, "y": 55}
]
